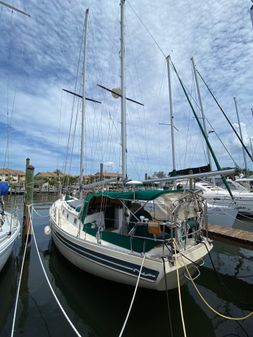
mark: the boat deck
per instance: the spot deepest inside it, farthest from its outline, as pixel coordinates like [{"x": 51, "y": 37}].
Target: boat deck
[{"x": 230, "y": 235}]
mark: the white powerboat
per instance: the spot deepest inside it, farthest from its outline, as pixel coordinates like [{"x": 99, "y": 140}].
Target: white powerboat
[{"x": 218, "y": 196}]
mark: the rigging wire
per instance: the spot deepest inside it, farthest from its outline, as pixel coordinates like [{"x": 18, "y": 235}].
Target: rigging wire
[
  {"x": 222, "y": 143},
  {"x": 59, "y": 130},
  {"x": 225, "y": 115},
  {"x": 162, "y": 52},
  {"x": 102, "y": 133},
  {"x": 200, "y": 117},
  {"x": 6, "y": 155},
  {"x": 10, "y": 110},
  {"x": 73, "y": 105},
  {"x": 73, "y": 136},
  {"x": 202, "y": 131},
  {"x": 197, "y": 105},
  {"x": 148, "y": 31}
]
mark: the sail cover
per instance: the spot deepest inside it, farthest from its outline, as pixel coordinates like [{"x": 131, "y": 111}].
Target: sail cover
[{"x": 172, "y": 206}]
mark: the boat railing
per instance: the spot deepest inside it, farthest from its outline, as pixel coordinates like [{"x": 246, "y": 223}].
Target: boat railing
[
  {"x": 180, "y": 232},
  {"x": 11, "y": 220}
]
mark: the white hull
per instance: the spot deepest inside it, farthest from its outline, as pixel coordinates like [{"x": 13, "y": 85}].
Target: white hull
[
  {"x": 8, "y": 234},
  {"x": 221, "y": 215},
  {"x": 217, "y": 196},
  {"x": 243, "y": 203},
  {"x": 115, "y": 263}
]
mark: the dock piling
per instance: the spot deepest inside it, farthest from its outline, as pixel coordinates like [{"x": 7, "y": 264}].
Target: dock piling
[{"x": 28, "y": 200}]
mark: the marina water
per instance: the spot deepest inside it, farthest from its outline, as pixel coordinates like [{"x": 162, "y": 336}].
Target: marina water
[{"x": 98, "y": 308}]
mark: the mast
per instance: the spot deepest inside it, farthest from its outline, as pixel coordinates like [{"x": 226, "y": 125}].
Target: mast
[
  {"x": 14, "y": 8},
  {"x": 251, "y": 148},
  {"x": 83, "y": 100},
  {"x": 171, "y": 115},
  {"x": 123, "y": 91},
  {"x": 202, "y": 111},
  {"x": 240, "y": 130}
]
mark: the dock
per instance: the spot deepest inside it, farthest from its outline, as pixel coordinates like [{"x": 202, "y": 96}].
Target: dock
[{"x": 237, "y": 237}]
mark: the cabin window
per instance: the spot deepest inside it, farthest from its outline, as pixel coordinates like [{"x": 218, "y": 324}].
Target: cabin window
[{"x": 75, "y": 221}]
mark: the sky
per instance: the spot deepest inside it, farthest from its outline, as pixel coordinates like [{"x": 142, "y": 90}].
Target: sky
[{"x": 43, "y": 54}]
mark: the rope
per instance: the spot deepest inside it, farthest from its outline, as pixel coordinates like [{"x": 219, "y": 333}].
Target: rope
[
  {"x": 49, "y": 284},
  {"x": 42, "y": 216},
  {"x": 20, "y": 277},
  {"x": 179, "y": 291},
  {"x": 207, "y": 304},
  {"x": 167, "y": 298},
  {"x": 131, "y": 304},
  {"x": 227, "y": 291}
]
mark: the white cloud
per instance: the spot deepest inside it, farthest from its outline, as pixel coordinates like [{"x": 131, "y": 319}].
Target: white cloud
[{"x": 39, "y": 57}]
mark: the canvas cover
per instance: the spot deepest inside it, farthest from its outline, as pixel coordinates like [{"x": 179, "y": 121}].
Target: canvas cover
[
  {"x": 162, "y": 204},
  {"x": 172, "y": 207},
  {"x": 144, "y": 195}
]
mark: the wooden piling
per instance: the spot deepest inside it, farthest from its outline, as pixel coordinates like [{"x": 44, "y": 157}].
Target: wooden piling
[{"x": 28, "y": 200}]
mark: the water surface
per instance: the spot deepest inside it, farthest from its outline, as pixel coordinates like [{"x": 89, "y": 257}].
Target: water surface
[{"x": 98, "y": 308}]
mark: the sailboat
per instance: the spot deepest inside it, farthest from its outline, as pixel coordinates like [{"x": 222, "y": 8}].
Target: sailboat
[
  {"x": 130, "y": 236},
  {"x": 223, "y": 215},
  {"x": 9, "y": 223},
  {"x": 9, "y": 228}
]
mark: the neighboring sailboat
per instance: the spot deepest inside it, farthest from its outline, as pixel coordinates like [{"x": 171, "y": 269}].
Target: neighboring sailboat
[
  {"x": 216, "y": 214},
  {"x": 126, "y": 236},
  {"x": 9, "y": 228},
  {"x": 9, "y": 224}
]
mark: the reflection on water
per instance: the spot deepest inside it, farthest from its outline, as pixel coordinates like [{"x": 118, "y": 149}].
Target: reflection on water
[
  {"x": 8, "y": 278},
  {"x": 98, "y": 307}
]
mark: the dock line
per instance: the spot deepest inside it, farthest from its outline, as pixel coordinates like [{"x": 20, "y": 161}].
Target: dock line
[
  {"x": 179, "y": 289},
  {"x": 37, "y": 213},
  {"x": 167, "y": 297},
  {"x": 131, "y": 304},
  {"x": 20, "y": 278},
  {"x": 207, "y": 304},
  {"x": 51, "y": 288}
]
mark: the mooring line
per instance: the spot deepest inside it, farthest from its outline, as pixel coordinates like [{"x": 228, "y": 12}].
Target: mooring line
[
  {"x": 20, "y": 277},
  {"x": 179, "y": 290},
  {"x": 131, "y": 304},
  {"x": 167, "y": 298},
  {"x": 42, "y": 216},
  {"x": 205, "y": 301},
  {"x": 50, "y": 286}
]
